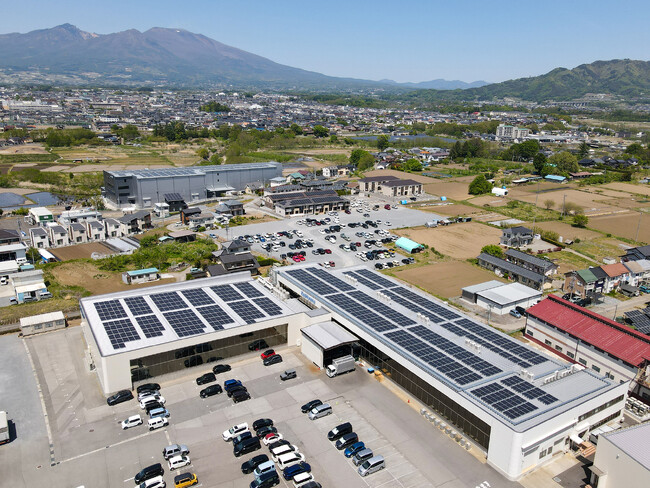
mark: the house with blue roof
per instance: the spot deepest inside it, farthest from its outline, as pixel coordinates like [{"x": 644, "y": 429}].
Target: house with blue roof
[{"x": 140, "y": 276}]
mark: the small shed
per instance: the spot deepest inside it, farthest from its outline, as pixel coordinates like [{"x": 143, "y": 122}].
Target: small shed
[
  {"x": 42, "y": 323},
  {"x": 325, "y": 341},
  {"x": 408, "y": 245},
  {"x": 140, "y": 276},
  {"x": 555, "y": 178}
]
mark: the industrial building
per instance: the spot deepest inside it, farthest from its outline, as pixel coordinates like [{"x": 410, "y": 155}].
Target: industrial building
[
  {"x": 146, "y": 187},
  {"x": 519, "y": 405},
  {"x": 501, "y": 298}
]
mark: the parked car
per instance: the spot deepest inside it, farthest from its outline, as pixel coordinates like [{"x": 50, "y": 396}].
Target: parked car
[
  {"x": 339, "y": 431},
  {"x": 157, "y": 482},
  {"x": 206, "y": 378},
  {"x": 149, "y": 472},
  {"x": 179, "y": 461},
  {"x": 354, "y": 448},
  {"x": 244, "y": 435},
  {"x": 371, "y": 465},
  {"x": 157, "y": 423},
  {"x": 295, "y": 469},
  {"x": 515, "y": 314},
  {"x": 185, "y": 479},
  {"x": 259, "y": 423},
  {"x": 132, "y": 421},
  {"x": 266, "y": 480},
  {"x": 320, "y": 411},
  {"x": 119, "y": 397},
  {"x": 235, "y": 430},
  {"x": 289, "y": 459},
  {"x": 250, "y": 465},
  {"x": 271, "y": 438},
  {"x": 258, "y": 345},
  {"x": 310, "y": 405},
  {"x": 346, "y": 441},
  {"x": 158, "y": 412},
  {"x": 247, "y": 445},
  {"x": 362, "y": 456},
  {"x": 230, "y": 384},
  {"x": 152, "y": 387},
  {"x": 231, "y": 391},
  {"x": 240, "y": 396},
  {"x": 267, "y": 354},
  {"x": 264, "y": 431},
  {"x": 263, "y": 468},
  {"x": 275, "y": 359},
  {"x": 175, "y": 450},
  {"x": 288, "y": 375},
  {"x": 152, "y": 399},
  {"x": 210, "y": 391}
]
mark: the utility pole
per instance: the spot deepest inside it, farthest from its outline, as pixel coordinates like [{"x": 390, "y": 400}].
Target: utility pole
[
  {"x": 564, "y": 205},
  {"x": 638, "y": 226}
]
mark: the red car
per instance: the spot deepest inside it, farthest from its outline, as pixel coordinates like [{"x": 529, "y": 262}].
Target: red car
[
  {"x": 267, "y": 354},
  {"x": 332, "y": 264},
  {"x": 328, "y": 251},
  {"x": 296, "y": 258},
  {"x": 301, "y": 257}
]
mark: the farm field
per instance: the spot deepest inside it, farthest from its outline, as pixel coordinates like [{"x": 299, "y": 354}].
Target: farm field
[
  {"x": 567, "y": 231},
  {"x": 624, "y": 225},
  {"x": 446, "y": 278},
  {"x": 453, "y": 209},
  {"x": 461, "y": 241},
  {"x": 80, "y": 251},
  {"x": 450, "y": 189},
  {"x": 590, "y": 202},
  {"x": 629, "y": 187}
]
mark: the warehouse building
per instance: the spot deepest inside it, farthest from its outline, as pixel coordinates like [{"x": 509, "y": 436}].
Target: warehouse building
[
  {"x": 501, "y": 298},
  {"x": 519, "y": 405},
  {"x": 144, "y": 333},
  {"x": 146, "y": 187}
]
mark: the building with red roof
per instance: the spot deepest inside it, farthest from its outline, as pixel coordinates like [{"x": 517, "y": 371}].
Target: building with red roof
[{"x": 596, "y": 342}]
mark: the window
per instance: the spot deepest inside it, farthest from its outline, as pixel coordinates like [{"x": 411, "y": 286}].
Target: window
[
  {"x": 542, "y": 453},
  {"x": 609, "y": 375},
  {"x": 582, "y": 361},
  {"x": 595, "y": 368},
  {"x": 558, "y": 348},
  {"x": 529, "y": 332},
  {"x": 38, "y": 326},
  {"x": 570, "y": 354},
  {"x": 547, "y": 342}
]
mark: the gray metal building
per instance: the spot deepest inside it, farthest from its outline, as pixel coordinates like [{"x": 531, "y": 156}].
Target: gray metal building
[{"x": 145, "y": 187}]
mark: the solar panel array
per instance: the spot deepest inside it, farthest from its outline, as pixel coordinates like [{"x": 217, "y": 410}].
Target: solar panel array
[
  {"x": 385, "y": 310},
  {"x": 197, "y": 297},
  {"x": 319, "y": 286},
  {"x": 640, "y": 319},
  {"x": 138, "y": 305},
  {"x": 109, "y": 310},
  {"x": 504, "y": 400},
  {"x": 363, "y": 280},
  {"x": 215, "y": 316},
  {"x": 268, "y": 306},
  {"x": 226, "y": 292},
  {"x": 332, "y": 280},
  {"x": 435, "y": 358},
  {"x": 246, "y": 310},
  {"x": 121, "y": 331},
  {"x": 184, "y": 322},
  {"x": 249, "y": 290},
  {"x": 150, "y": 325},
  {"x": 168, "y": 301},
  {"x": 362, "y": 313},
  {"x": 529, "y": 390}
]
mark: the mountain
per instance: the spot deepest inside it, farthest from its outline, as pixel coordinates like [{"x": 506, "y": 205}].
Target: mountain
[
  {"x": 159, "y": 56},
  {"x": 438, "y": 84},
  {"x": 623, "y": 77}
]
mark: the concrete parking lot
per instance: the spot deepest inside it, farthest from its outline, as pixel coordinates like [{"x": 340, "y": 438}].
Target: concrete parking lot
[
  {"x": 90, "y": 449},
  {"x": 398, "y": 217}
]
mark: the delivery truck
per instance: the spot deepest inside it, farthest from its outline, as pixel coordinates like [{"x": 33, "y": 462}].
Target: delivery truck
[
  {"x": 4, "y": 428},
  {"x": 340, "y": 365}
]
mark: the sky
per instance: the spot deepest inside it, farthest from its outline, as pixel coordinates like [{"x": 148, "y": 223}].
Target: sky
[{"x": 407, "y": 40}]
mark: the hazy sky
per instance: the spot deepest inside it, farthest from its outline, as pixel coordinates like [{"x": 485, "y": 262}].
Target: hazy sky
[{"x": 408, "y": 40}]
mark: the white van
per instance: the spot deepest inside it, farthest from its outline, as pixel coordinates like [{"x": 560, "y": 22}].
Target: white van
[
  {"x": 265, "y": 467},
  {"x": 302, "y": 479},
  {"x": 157, "y": 423},
  {"x": 279, "y": 451},
  {"x": 320, "y": 411},
  {"x": 287, "y": 460},
  {"x": 372, "y": 465}
]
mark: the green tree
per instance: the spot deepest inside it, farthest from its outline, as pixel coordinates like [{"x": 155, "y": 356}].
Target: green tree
[
  {"x": 320, "y": 131},
  {"x": 479, "y": 186},
  {"x": 583, "y": 150},
  {"x": 539, "y": 161},
  {"x": 528, "y": 149},
  {"x": 493, "y": 250},
  {"x": 565, "y": 162},
  {"x": 129, "y": 132},
  {"x": 412, "y": 165},
  {"x": 580, "y": 220},
  {"x": 203, "y": 153},
  {"x": 366, "y": 161},
  {"x": 33, "y": 255},
  {"x": 149, "y": 241},
  {"x": 382, "y": 142},
  {"x": 214, "y": 107},
  {"x": 456, "y": 151},
  {"x": 215, "y": 159},
  {"x": 355, "y": 156},
  {"x": 296, "y": 129}
]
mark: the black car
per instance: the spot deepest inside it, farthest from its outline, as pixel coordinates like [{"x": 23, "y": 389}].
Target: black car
[
  {"x": 346, "y": 441},
  {"x": 206, "y": 378},
  {"x": 210, "y": 391},
  {"x": 258, "y": 345},
  {"x": 259, "y": 423},
  {"x": 148, "y": 387},
  {"x": 193, "y": 361},
  {"x": 119, "y": 397},
  {"x": 240, "y": 396},
  {"x": 269, "y": 429},
  {"x": 148, "y": 473},
  {"x": 339, "y": 431},
  {"x": 266, "y": 480},
  {"x": 309, "y": 405},
  {"x": 250, "y": 465},
  {"x": 278, "y": 443},
  {"x": 221, "y": 368},
  {"x": 231, "y": 391},
  {"x": 275, "y": 359}
]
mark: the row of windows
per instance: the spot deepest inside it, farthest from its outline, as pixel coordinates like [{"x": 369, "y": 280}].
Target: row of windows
[
  {"x": 582, "y": 361},
  {"x": 604, "y": 406}
]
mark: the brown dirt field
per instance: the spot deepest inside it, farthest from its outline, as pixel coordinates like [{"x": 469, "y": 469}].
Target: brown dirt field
[
  {"x": 490, "y": 200},
  {"x": 629, "y": 187},
  {"x": 449, "y": 189},
  {"x": 543, "y": 185},
  {"x": 80, "y": 251},
  {"x": 446, "y": 279},
  {"x": 566, "y": 230},
  {"x": 623, "y": 225},
  {"x": 94, "y": 280},
  {"x": 24, "y": 149},
  {"x": 588, "y": 201},
  {"x": 309, "y": 152},
  {"x": 461, "y": 241},
  {"x": 453, "y": 209},
  {"x": 18, "y": 191},
  {"x": 55, "y": 169}
]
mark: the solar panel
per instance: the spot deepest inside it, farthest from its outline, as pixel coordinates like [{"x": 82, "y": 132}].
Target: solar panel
[
  {"x": 120, "y": 331},
  {"x": 215, "y": 316},
  {"x": 331, "y": 279},
  {"x": 138, "y": 305},
  {"x": 361, "y": 313},
  {"x": 109, "y": 310},
  {"x": 365, "y": 281},
  {"x": 249, "y": 290},
  {"x": 226, "y": 292},
  {"x": 246, "y": 310},
  {"x": 150, "y": 325},
  {"x": 185, "y": 322},
  {"x": 319, "y": 286},
  {"x": 503, "y": 400},
  {"x": 168, "y": 301},
  {"x": 385, "y": 310},
  {"x": 197, "y": 297},
  {"x": 268, "y": 306},
  {"x": 375, "y": 278}
]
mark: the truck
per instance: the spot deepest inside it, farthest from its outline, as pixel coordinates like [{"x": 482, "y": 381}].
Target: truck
[
  {"x": 340, "y": 365},
  {"x": 4, "y": 428}
]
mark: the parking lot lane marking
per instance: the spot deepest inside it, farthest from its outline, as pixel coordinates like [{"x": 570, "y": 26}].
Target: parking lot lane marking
[
  {"x": 129, "y": 479},
  {"x": 167, "y": 436},
  {"x": 110, "y": 446}
]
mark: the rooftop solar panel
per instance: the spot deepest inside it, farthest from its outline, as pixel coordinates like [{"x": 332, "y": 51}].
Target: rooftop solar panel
[
  {"x": 268, "y": 306},
  {"x": 331, "y": 279},
  {"x": 110, "y": 310},
  {"x": 246, "y": 310},
  {"x": 363, "y": 280},
  {"x": 120, "y": 331},
  {"x": 249, "y": 290},
  {"x": 362, "y": 313},
  {"x": 197, "y": 297},
  {"x": 375, "y": 278},
  {"x": 168, "y": 301},
  {"x": 311, "y": 281},
  {"x": 138, "y": 305},
  {"x": 185, "y": 322},
  {"x": 226, "y": 292},
  {"x": 215, "y": 316},
  {"x": 384, "y": 310},
  {"x": 150, "y": 325}
]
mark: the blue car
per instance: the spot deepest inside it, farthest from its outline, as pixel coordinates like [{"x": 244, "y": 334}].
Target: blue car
[
  {"x": 230, "y": 384},
  {"x": 296, "y": 469},
  {"x": 354, "y": 448}
]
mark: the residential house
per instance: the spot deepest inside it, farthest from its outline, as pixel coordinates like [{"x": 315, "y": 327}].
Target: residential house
[
  {"x": 186, "y": 213},
  {"x": 58, "y": 236},
  {"x": 256, "y": 187},
  {"x": 373, "y": 183},
  {"x": 517, "y": 236},
  {"x": 276, "y": 181},
  {"x": 140, "y": 276},
  {"x": 401, "y": 188},
  {"x": 136, "y": 222},
  {"x": 636, "y": 253},
  {"x": 79, "y": 216},
  {"x": 14, "y": 252},
  {"x": 96, "y": 231},
  {"x": 235, "y": 256},
  {"x": 235, "y": 207},
  {"x": 9, "y": 236},
  {"x": 28, "y": 285},
  {"x": 180, "y": 236},
  {"x": 175, "y": 201},
  {"x": 582, "y": 283},
  {"x": 533, "y": 263},
  {"x": 113, "y": 228},
  {"x": 505, "y": 268},
  {"x": 639, "y": 272},
  {"x": 39, "y": 237},
  {"x": 203, "y": 219},
  {"x": 78, "y": 233},
  {"x": 617, "y": 274}
]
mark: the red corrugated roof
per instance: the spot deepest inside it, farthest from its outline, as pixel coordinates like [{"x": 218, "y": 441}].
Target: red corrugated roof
[{"x": 610, "y": 336}]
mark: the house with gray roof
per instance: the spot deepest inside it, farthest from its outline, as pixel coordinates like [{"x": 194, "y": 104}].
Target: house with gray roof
[
  {"x": 507, "y": 269},
  {"x": 539, "y": 265}
]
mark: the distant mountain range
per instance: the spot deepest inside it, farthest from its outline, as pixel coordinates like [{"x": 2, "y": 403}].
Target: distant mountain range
[{"x": 178, "y": 58}]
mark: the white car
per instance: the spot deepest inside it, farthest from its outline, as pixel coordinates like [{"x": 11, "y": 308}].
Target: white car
[
  {"x": 288, "y": 459},
  {"x": 387, "y": 224},
  {"x": 178, "y": 462},
  {"x": 157, "y": 482},
  {"x": 234, "y": 431},
  {"x": 152, "y": 398},
  {"x": 132, "y": 421},
  {"x": 271, "y": 438}
]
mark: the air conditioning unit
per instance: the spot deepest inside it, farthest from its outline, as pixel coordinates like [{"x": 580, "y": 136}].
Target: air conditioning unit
[
  {"x": 523, "y": 373},
  {"x": 531, "y": 376},
  {"x": 478, "y": 348}
]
